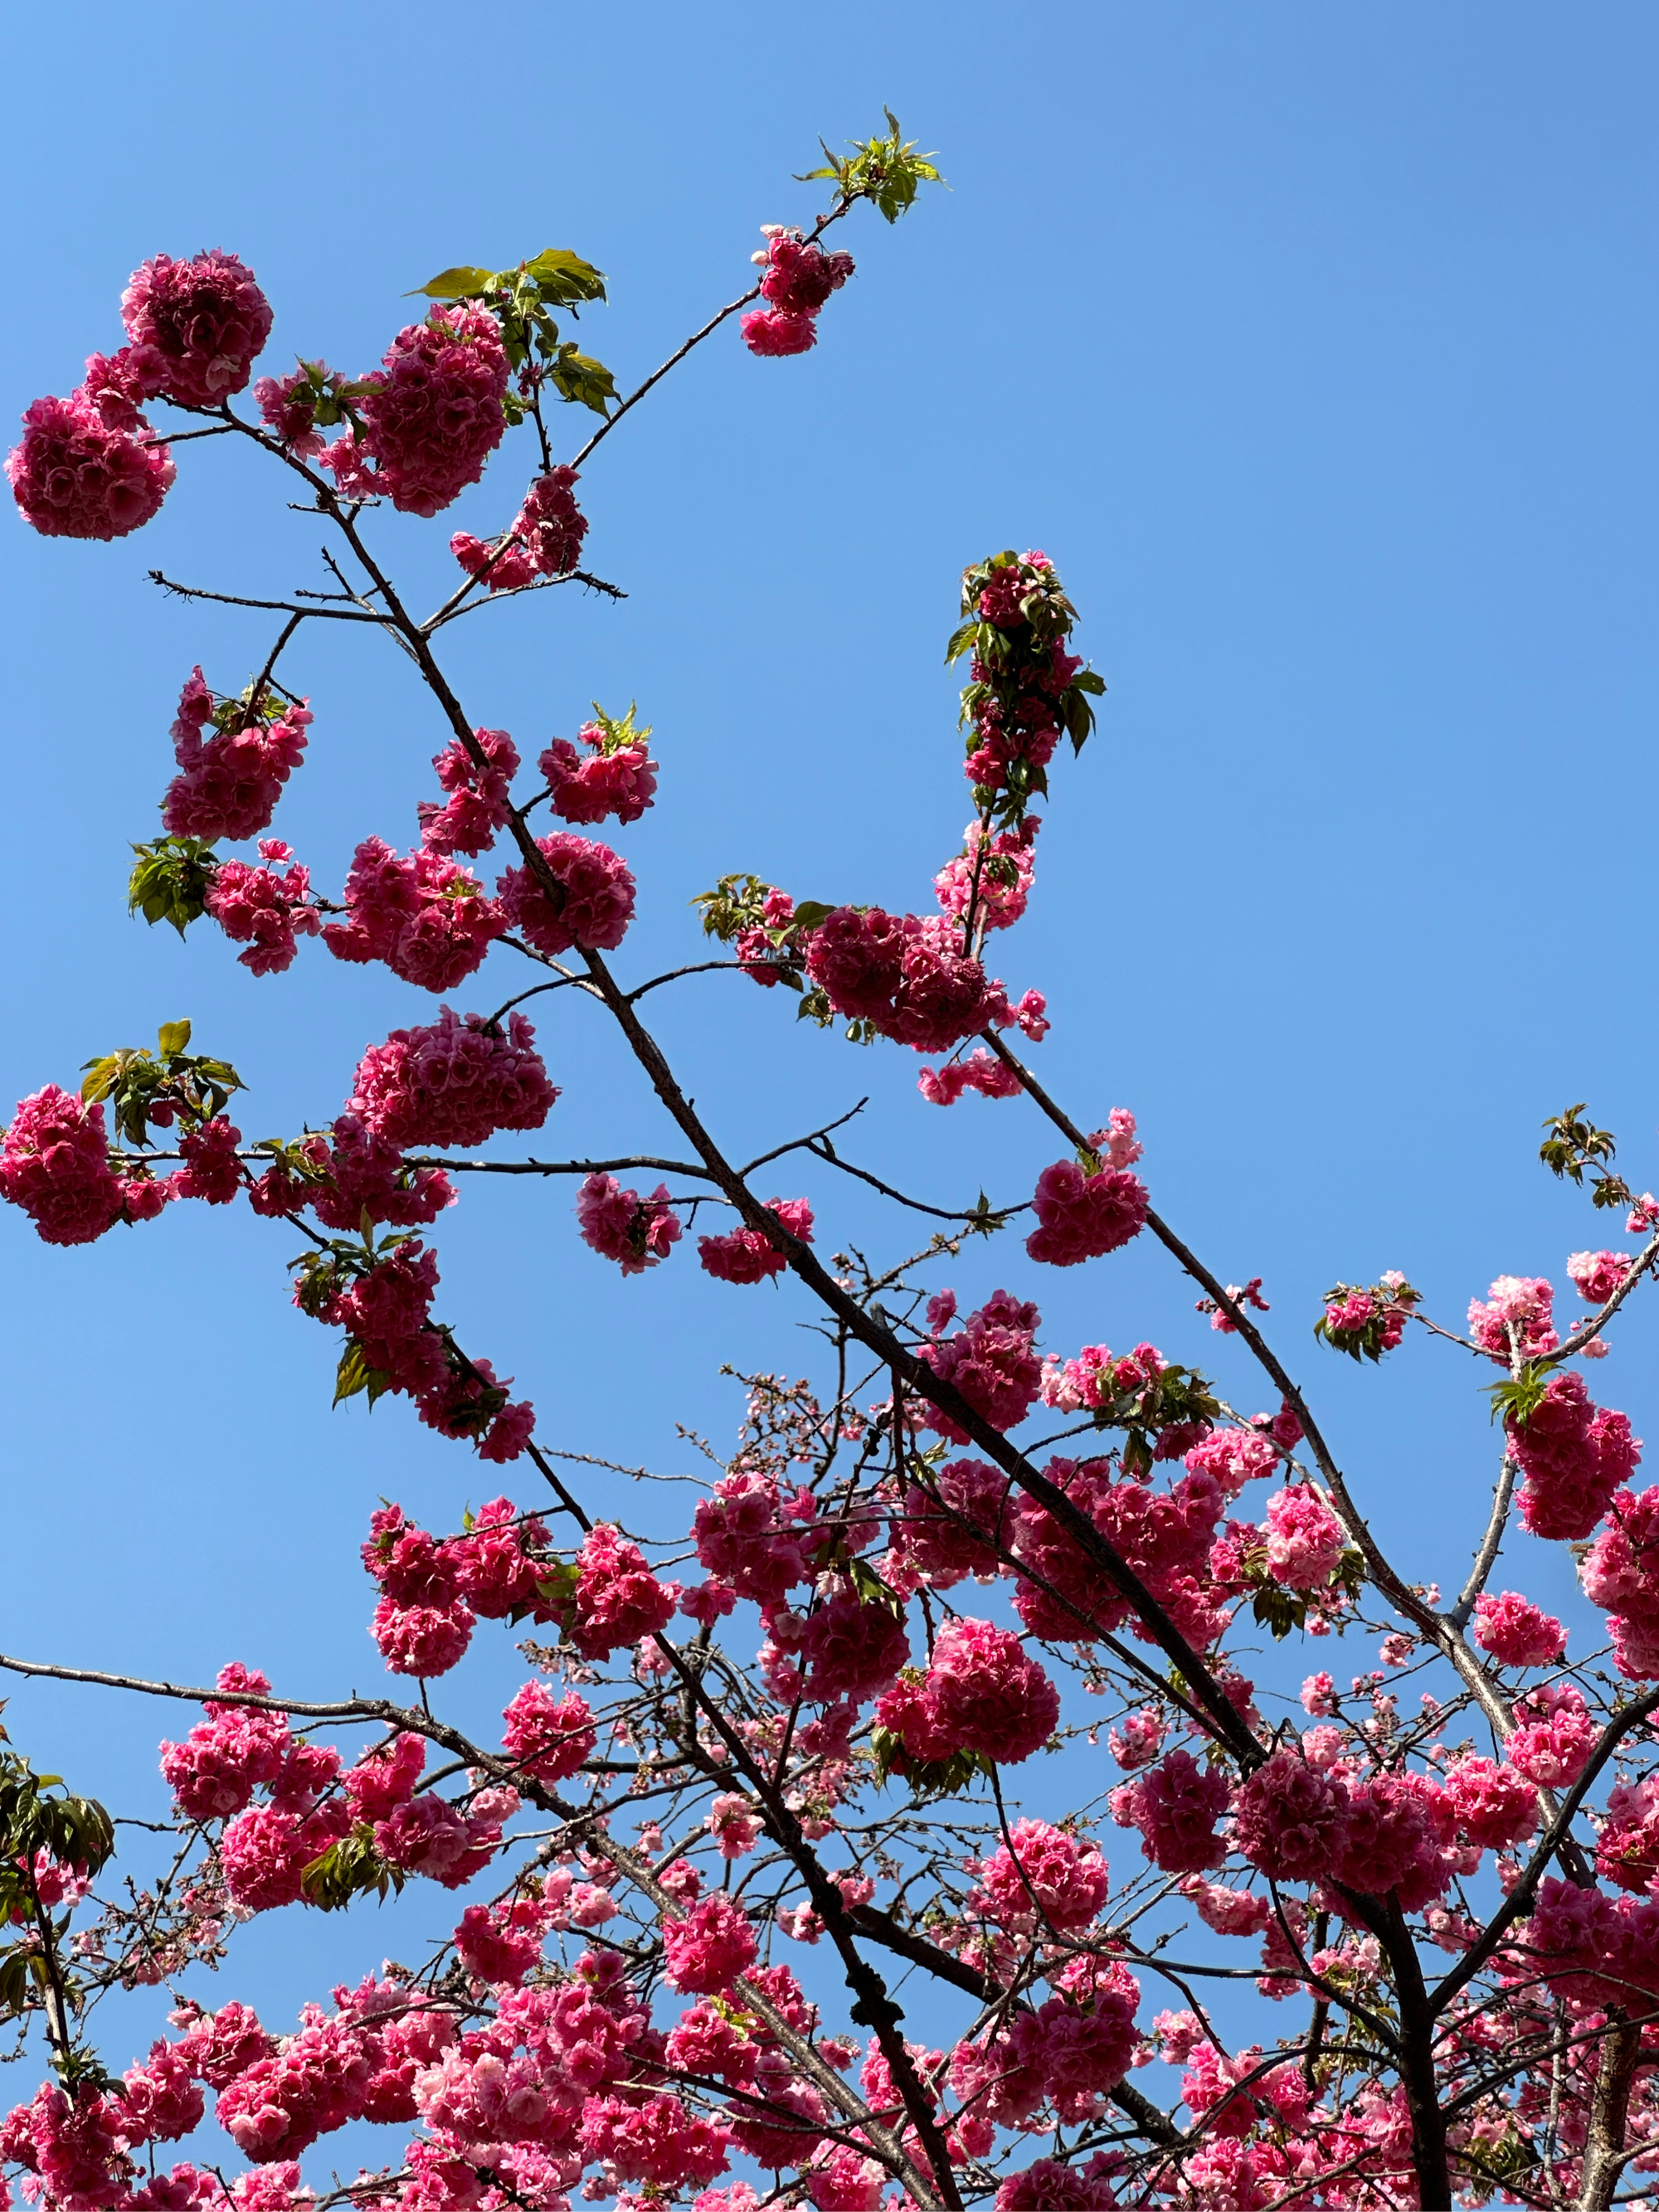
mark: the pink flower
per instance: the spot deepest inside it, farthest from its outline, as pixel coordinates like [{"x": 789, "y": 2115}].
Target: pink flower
[
  {"x": 264, "y": 910},
  {"x": 991, "y": 1361},
  {"x": 1597, "y": 1276},
  {"x": 164, "y": 2101},
  {"x": 1627, "y": 1850},
  {"x": 1493, "y": 1805},
  {"x": 1050, "y": 2186},
  {"x": 994, "y": 876},
  {"x": 424, "y": 1640},
  {"x": 207, "y": 320},
  {"x": 73, "y": 475},
  {"x": 955, "y": 1529},
  {"x": 616, "y": 1599},
  {"x": 453, "y": 1082},
  {"x": 494, "y": 1572},
  {"x": 707, "y": 1951},
  {"x": 77, "y": 2148},
  {"x": 287, "y": 406},
  {"x": 1049, "y": 1872},
  {"x": 500, "y": 1943},
  {"x": 619, "y": 1224},
  {"x": 544, "y": 538},
  {"x": 735, "y": 1827},
  {"x": 1392, "y": 1838},
  {"x": 613, "y": 778},
  {"x": 986, "y": 1696},
  {"x": 211, "y": 1169},
  {"x": 315, "y": 2082},
  {"x": 1319, "y": 1696},
  {"x": 800, "y": 276},
  {"x": 1139, "y": 1740},
  {"x": 480, "y": 798},
  {"x": 597, "y": 901},
  {"x": 432, "y": 415},
  {"x": 907, "y": 976},
  {"x": 1082, "y": 1216},
  {"x": 265, "y": 1852},
  {"x": 745, "y": 1256},
  {"x": 549, "y": 1737},
  {"x": 1517, "y": 1633},
  {"x": 1555, "y": 1736},
  {"x": 1305, "y": 1537},
  {"x": 657, "y": 2141},
  {"x": 426, "y": 917},
  {"x": 1229, "y": 1912},
  {"x": 220, "y": 2045},
  {"x": 1522, "y": 1303},
  {"x": 979, "y": 1072},
  {"x": 1291, "y": 1820},
  {"x": 225, "y": 1758},
  {"x": 1572, "y": 1458},
  {"x": 772, "y": 334},
  {"x": 1621, "y": 1572},
  {"x": 54, "y": 1162},
  {"x": 361, "y": 1172},
  {"x": 229, "y": 785},
  {"x": 1233, "y": 1457},
  {"x": 851, "y": 1648},
  {"x": 1176, "y": 1807},
  {"x": 744, "y": 1536}
]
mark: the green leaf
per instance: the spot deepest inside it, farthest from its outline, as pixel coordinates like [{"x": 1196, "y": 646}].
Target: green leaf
[
  {"x": 170, "y": 880},
  {"x": 577, "y": 376},
  {"x": 463, "y": 282},
  {"x": 348, "y": 1869},
  {"x": 808, "y": 914},
  {"x": 871, "y": 1588},
  {"x": 562, "y": 278},
  {"x": 355, "y": 1375},
  {"x": 172, "y": 1037}
]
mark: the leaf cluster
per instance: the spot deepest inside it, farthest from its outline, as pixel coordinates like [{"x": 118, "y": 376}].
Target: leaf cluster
[
  {"x": 349, "y": 1867},
  {"x": 617, "y": 730},
  {"x": 1388, "y": 1301},
  {"x": 737, "y": 903},
  {"x": 887, "y": 172},
  {"x": 924, "y": 1778},
  {"x": 1574, "y": 1147},
  {"x": 162, "y": 1087},
  {"x": 170, "y": 881},
  {"x": 1282, "y": 1611},
  {"x": 521, "y": 300},
  {"x": 1175, "y": 1397},
  {"x": 39, "y": 1813},
  {"x": 1517, "y": 1397}
]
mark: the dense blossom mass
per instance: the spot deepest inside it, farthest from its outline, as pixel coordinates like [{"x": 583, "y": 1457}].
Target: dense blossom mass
[
  {"x": 431, "y": 415},
  {"x": 233, "y": 758},
  {"x": 452, "y": 1082},
  {"x": 684, "y": 1774}
]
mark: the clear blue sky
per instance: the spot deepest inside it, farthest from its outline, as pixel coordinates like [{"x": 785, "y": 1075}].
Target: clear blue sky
[{"x": 1316, "y": 345}]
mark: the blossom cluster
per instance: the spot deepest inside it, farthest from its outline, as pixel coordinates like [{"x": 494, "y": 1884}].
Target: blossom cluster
[
  {"x": 228, "y": 783},
  {"x": 88, "y": 465},
  {"x": 799, "y": 276},
  {"x": 429, "y": 418},
  {"x": 543, "y": 539}
]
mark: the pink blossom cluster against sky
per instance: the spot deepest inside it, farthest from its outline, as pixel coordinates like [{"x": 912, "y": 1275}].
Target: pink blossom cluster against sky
[{"x": 1316, "y": 348}]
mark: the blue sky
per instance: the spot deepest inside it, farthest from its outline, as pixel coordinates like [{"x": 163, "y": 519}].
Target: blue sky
[{"x": 1316, "y": 346}]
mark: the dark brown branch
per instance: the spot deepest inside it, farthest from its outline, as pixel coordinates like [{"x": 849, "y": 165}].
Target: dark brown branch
[{"x": 267, "y": 606}]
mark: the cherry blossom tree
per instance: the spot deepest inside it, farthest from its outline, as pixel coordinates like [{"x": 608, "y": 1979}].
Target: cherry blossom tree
[{"x": 729, "y": 1809}]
